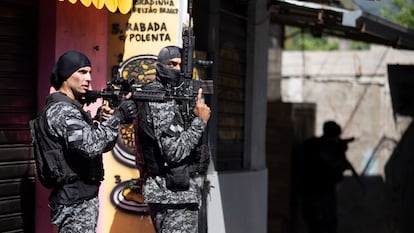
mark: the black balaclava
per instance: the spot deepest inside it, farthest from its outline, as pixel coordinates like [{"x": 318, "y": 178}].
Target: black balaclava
[
  {"x": 165, "y": 74},
  {"x": 66, "y": 65}
]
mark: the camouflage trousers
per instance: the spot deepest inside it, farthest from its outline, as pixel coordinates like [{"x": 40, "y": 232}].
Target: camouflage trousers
[
  {"x": 80, "y": 217},
  {"x": 174, "y": 218}
]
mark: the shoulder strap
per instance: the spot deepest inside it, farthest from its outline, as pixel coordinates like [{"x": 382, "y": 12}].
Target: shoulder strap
[
  {"x": 60, "y": 97},
  {"x": 145, "y": 119}
]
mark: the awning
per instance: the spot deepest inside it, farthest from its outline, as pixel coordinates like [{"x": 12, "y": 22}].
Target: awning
[
  {"x": 351, "y": 24},
  {"x": 124, "y": 6}
]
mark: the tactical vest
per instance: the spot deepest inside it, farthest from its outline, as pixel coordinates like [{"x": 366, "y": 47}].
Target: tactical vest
[
  {"x": 57, "y": 165},
  {"x": 177, "y": 175}
]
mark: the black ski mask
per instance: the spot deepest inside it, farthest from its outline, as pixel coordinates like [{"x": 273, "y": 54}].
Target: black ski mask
[
  {"x": 165, "y": 74},
  {"x": 66, "y": 65}
]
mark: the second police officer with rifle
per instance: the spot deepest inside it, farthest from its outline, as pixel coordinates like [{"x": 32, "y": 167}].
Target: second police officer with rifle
[{"x": 175, "y": 158}]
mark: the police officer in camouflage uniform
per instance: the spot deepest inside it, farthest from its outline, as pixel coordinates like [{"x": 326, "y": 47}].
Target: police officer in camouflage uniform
[
  {"x": 176, "y": 160},
  {"x": 74, "y": 203}
]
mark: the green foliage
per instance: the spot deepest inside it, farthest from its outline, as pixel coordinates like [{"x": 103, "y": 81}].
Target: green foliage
[
  {"x": 296, "y": 40},
  {"x": 359, "y": 45},
  {"x": 308, "y": 42},
  {"x": 401, "y": 12}
]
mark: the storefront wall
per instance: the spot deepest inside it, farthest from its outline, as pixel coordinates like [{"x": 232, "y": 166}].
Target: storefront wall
[{"x": 65, "y": 26}]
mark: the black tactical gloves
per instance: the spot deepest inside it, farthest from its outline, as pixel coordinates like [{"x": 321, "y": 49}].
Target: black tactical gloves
[{"x": 126, "y": 111}]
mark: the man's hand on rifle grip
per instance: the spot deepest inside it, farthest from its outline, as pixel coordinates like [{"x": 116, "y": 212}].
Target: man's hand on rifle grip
[
  {"x": 201, "y": 109},
  {"x": 106, "y": 111}
]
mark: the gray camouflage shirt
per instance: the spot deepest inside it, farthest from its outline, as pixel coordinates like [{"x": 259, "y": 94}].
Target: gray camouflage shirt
[
  {"x": 67, "y": 122},
  {"x": 174, "y": 149},
  {"x": 78, "y": 136}
]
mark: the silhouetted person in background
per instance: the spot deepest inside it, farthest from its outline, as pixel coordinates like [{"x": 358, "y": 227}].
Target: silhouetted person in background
[{"x": 320, "y": 166}]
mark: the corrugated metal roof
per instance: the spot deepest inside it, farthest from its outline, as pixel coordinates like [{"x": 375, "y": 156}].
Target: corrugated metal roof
[
  {"x": 351, "y": 24},
  {"x": 342, "y": 64}
]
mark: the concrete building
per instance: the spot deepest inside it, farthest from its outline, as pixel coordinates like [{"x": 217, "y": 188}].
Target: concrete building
[
  {"x": 250, "y": 133},
  {"x": 353, "y": 88}
]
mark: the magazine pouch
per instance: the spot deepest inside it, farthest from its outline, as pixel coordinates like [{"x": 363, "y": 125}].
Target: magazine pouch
[{"x": 178, "y": 178}]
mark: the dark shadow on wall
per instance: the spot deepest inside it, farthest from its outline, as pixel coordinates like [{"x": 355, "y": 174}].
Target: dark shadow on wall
[
  {"x": 363, "y": 201},
  {"x": 399, "y": 175},
  {"x": 363, "y": 206},
  {"x": 399, "y": 171}
]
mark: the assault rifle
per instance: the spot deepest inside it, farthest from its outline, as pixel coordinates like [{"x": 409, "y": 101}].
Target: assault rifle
[
  {"x": 116, "y": 90},
  {"x": 188, "y": 62},
  {"x": 344, "y": 142},
  {"x": 187, "y": 65}
]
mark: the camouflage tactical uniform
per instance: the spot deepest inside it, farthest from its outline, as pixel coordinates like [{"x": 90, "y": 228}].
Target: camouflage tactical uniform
[
  {"x": 74, "y": 206},
  {"x": 172, "y": 211},
  {"x": 79, "y": 217}
]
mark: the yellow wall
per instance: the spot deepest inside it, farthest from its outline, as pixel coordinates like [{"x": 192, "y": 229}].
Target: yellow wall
[{"x": 134, "y": 40}]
